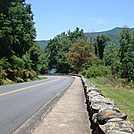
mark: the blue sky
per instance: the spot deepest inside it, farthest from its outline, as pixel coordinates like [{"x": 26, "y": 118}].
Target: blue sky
[{"x": 53, "y": 17}]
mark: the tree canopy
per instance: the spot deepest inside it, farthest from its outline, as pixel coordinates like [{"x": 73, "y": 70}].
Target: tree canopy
[
  {"x": 80, "y": 53},
  {"x": 19, "y": 53},
  {"x": 57, "y": 49},
  {"x": 126, "y": 53},
  {"x": 100, "y": 43}
]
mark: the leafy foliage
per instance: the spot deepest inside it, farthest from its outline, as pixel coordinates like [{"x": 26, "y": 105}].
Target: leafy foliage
[
  {"x": 80, "y": 53},
  {"x": 16, "y": 31},
  {"x": 127, "y": 54},
  {"x": 19, "y": 53},
  {"x": 111, "y": 54},
  {"x": 100, "y": 43},
  {"x": 95, "y": 71},
  {"x": 57, "y": 49},
  {"x": 120, "y": 59}
]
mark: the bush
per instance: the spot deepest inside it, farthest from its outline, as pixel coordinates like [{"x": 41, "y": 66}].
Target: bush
[
  {"x": 4, "y": 64},
  {"x": 3, "y": 75},
  {"x": 32, "y": 74},
  {"x": 95, "y": 71},
  {"x": 18, "y": 79},
  {"x": 25, "y": 74},
  {"x": 11, "y": 74},
  {"x": 29, "y": 74},
  {"x": 17, "y": 62}
]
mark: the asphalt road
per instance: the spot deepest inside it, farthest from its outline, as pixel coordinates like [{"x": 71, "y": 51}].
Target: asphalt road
[{"x": 18, "y": 102}]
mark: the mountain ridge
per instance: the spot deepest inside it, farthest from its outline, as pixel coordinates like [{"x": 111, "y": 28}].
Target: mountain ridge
[
  {"x": 113, "y": 34},
  {"x": 42, "y": 43}
]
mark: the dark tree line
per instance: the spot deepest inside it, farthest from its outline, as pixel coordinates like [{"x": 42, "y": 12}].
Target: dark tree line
[{"x": 20, "y": 55}]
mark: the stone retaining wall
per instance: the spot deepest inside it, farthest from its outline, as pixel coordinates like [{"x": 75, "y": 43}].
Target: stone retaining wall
[{"x": 104, "y": 115}]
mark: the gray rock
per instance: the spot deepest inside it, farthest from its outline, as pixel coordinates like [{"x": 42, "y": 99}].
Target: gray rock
[
  {"x": 93, "y": 93},
  {"x": 102, "y": 106},
  {"x": 119, "y": 132},
  {"x": 89, "y": 89},
  {"x": 96, "y": 98},
  {"x": 100, "y": 98},
  {"x": 115, "y": 120},
  {"x": 118, "y": 127},
  {"x": 104, "y": 115},
  {"x": 94, "y": 118}
]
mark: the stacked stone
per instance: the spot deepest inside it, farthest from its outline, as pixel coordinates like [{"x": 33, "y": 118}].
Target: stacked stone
[{"x": 104, "y": 115}]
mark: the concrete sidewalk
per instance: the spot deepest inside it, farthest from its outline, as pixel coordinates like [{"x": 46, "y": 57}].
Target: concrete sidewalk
[{"x": 69, "y": 115}]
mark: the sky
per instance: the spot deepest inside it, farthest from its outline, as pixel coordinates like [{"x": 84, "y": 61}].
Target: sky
[{"x": 52, "y": 17}]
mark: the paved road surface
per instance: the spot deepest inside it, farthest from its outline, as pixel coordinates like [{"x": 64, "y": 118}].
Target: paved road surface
[{"x": 18, "y": 102}]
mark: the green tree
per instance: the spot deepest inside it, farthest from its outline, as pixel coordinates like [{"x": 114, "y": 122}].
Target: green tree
[
  {"x": 111, "y": 54},
  {"x": 17, "y": 45},
  {"x": 58, "y": 47},
  {"x": 16, "y": 62},
  {"x": 127, "y": 53},
  {"x": 100, "y": 43},
  {"x": 36, "y": 57},
  {"x": 17, "y": 30},
  {"x": 80, "y": 53},
  {"x": 78, "y": 34},
  {"x": 56, "y": 54},
  {"x": 5, "y": 32}
]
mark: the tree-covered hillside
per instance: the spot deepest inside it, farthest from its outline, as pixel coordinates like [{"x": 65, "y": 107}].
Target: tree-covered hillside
[
  {"x": 113, "y": 34},
  {"x": 43, "y": 44}
]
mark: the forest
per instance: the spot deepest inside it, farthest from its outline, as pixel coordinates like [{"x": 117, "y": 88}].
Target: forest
[
  {"x": 69, "y": 52},
  {"x": 20, "y": 55},
  {"x": 73, "y": 52}
]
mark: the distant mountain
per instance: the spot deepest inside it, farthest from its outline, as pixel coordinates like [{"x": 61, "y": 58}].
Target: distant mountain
[
  {"x": 43, "y": 44},
  {"x": 113, "y": 34}
]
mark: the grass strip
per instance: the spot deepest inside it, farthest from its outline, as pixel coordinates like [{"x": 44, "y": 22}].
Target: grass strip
[{"x": 124, "y": 99}]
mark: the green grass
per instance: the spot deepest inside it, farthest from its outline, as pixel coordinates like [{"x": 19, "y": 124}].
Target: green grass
[
  {"x": 124, "y": 99},
  {"x": 9, "y": 82}
]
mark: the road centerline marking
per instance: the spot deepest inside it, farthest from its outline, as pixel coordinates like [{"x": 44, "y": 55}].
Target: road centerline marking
[{"x": 17, "y": 90}]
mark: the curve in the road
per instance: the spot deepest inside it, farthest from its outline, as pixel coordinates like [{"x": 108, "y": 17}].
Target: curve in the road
[{"x": 17, "y": 90}]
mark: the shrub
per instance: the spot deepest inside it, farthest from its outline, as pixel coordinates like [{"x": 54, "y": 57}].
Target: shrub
[
  {"x": 17, "y": 62},
  {"x": 3, "y": 75},
  {"x": 32, "y": 74},
  {"x": 25, "y": 74},
  {"x": 95, "y": 71},
  {"x": 18, "y": 79}
]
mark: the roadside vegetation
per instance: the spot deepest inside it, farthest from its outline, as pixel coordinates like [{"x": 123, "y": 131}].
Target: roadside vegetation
[
  {"x": 20, "y": 56},
  {"x": 123, "y": 97},
  {"x": 22, "y": 59}
]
